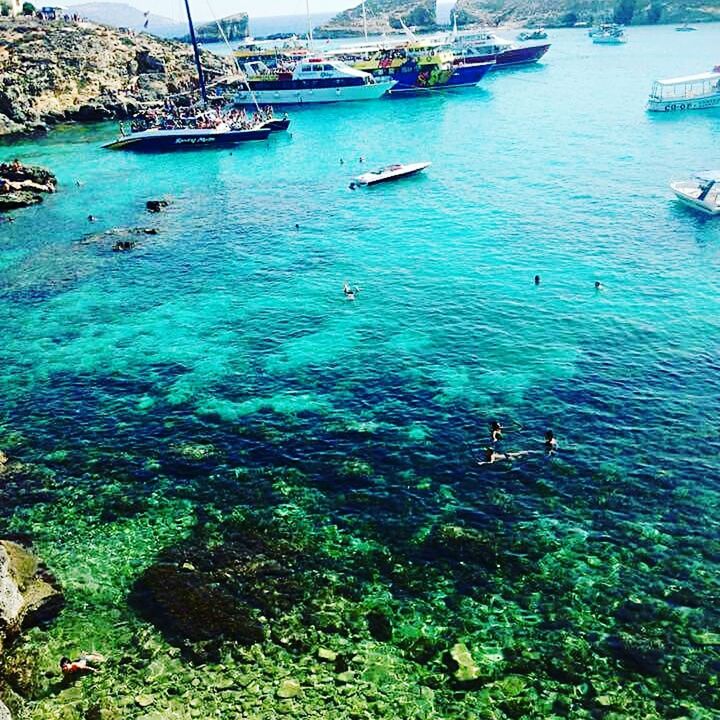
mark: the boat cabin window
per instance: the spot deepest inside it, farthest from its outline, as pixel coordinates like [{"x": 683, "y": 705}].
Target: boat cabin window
[
  {"x": 328, "y": 68},
  {"x": 317, "y": 68},
  {"x": 306, "y": 68}
]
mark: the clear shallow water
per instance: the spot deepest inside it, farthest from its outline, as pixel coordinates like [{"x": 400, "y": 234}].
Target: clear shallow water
[{"x": 229, "y": 330}]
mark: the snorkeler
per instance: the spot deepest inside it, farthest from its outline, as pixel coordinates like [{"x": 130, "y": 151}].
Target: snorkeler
[{"x": 83, "y": 664}]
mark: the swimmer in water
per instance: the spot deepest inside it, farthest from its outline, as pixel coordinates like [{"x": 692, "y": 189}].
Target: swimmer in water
[
  {"x": 537, "y": 279},
  {"x": 492, "y": 457},
  {"x": 91, "y": 218},
  {"x": 496, "y": 431},
  {"x": 599, "y": 285},
  {"x": 551, "y": 443},
  {"x": 83, "y": 664}
]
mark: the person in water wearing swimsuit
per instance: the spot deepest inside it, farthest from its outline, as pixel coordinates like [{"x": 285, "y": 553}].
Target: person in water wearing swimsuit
[
  {"x": 81, "y": 665},
  {"x": 496, "y": 431},
  {"x": 492, "y": 457},
  {"x": 551, "y": 443}
]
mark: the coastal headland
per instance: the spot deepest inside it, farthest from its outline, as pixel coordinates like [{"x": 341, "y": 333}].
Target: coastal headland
[{"x": 58, "y": 71}]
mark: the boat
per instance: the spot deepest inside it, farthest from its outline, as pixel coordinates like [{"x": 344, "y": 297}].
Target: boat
[
  {"x": 485, "y": 46},
  {"x": 315, "y": 80},
  {"x": 685, "y": 28},
  {"x": 692, "y": 92},
  {"x": 608, "y": 34},
  {"x": 390, "y": 172},
  {"x": 417, "y": 66},
  {"x": 701, "y": 192},
  {"x": 176, "y": 128},
  {"x": 538, "y": 34}
]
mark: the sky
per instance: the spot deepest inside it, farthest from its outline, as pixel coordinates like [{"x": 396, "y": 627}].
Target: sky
[{"x": 206, "y": 9}]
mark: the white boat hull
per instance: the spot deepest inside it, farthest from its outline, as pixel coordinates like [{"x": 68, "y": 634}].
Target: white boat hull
[
  {"x": 609, "y": 41},
  {"x": 371, "y": 91},
  {"x": 394, "y": 172},
  {"x": 697, "y": 103},
  {"x": 709, "y": 208}
]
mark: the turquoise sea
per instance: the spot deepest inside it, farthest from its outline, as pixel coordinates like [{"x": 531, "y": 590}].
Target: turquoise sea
[{"x": 210, "y": 399}]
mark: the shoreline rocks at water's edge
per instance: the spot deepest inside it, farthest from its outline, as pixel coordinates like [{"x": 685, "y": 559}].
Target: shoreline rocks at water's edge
[
  {"x": 53, "y": 72},
  {"x": 29, "y": 595},
  {"x": 24, "y": 185}
]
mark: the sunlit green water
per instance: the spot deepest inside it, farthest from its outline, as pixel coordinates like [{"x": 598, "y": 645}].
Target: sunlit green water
[{"x": 216, "y": 372}]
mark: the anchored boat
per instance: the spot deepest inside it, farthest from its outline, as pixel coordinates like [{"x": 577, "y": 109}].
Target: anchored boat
[
  {"x": 315, "y": 80},
  {"x": 390, "y": 172},
  {"x": 692, "y": 92},
  {"x": 417, "y": 67},
  {"x": 701, "y": 192},
  {"x": 485, "y": 46}
]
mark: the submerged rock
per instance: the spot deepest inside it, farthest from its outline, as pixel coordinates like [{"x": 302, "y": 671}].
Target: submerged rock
[
  {"x": 4, "y": 712},
  {"x": 465, "y": 670},
  {"x": 289, "y": 688}
]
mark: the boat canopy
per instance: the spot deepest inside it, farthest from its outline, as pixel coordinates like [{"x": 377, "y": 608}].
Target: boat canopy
[
  {"x": 708, "y": 176},
  {"x": 689, "y": 79}
]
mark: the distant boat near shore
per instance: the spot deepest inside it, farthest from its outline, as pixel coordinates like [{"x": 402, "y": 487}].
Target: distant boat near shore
[{"x": 685, "y": 28}]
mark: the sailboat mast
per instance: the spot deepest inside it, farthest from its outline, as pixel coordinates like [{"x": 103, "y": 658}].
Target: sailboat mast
[
  {"x": 364, "y": 20},
  {"x": 309, "y": 22},
  {"x": 196, "y": 51}
]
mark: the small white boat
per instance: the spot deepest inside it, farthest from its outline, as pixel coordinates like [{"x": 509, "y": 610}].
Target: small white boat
[
  {"x": 693, "y": 92},
  {"x": 685, "y": 28},
  {"x": 701, "y": 192},
  {"x": 538, "y": 34},
  {"x": 390, "y": 172},
  {"x": 610, "y": 37}
]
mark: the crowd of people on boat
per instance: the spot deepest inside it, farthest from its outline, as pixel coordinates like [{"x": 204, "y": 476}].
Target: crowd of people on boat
[{"x": 174, "y": 117}]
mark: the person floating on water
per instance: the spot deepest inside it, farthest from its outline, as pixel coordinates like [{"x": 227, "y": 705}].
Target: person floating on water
[
  {"x": 537, "y": 279},
  {"x": 496, "y": 431},
  {"x": 492, "y": 457},
  {"x": 551, "y": 443},
  {"x": 91, "y": 218},
  {"x": 85, "y": 663},
  {"x": 599, "y": 285},
  {"x": 350, "y": 292}
]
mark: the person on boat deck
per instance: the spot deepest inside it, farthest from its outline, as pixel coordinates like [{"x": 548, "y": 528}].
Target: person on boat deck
[
  {"x": 492, "y": 457},
  {"x": 83, "y": 664},
  {"x": 496, "y": 431},
  {"x": 551, "y": 443}
]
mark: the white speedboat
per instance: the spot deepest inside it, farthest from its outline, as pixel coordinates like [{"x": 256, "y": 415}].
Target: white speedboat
[
  {"x": 685, "y": 28},
  {"x": 693, "y": 92},
  {"x": 701, "y": 192},
  {"x": 390, "y": 172},
  {"x": 614, "y": 36}
]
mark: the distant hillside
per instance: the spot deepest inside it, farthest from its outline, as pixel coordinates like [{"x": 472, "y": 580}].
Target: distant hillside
[
  {"x": 382, "y": 16},
  {"x": 121, "y": 15},
  {"x": 235, "y": 27},
  {"x": 569, "y": 12}
]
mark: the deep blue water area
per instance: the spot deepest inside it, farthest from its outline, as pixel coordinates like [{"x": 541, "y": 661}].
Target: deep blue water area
[{"x": 218, "y": 364}]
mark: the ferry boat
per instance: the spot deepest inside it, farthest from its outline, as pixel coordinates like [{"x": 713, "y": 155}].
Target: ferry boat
[
  {"x": 693, "y": 92},
  {"x": 485, "y": 46},
  {"x": 391, "y": 172},
  {"x": 314, "y": 80},
  {"x": 418, "y": 67},
  {"x": 701, "y": 192}
]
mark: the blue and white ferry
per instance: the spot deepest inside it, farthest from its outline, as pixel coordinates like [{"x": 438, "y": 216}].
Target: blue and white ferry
[{"x": 312, "y": 80}]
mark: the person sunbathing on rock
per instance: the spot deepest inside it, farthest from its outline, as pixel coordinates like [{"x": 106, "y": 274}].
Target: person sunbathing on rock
[{"x": 85, "y": 663}]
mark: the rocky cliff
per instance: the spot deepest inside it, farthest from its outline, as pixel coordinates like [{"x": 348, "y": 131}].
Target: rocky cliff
[
  {"x": 568, "y": 12},
  {"x": 382, "y": 16},
  {"x": 235, "y": 27},
  {"x": 51, "y": 72}
]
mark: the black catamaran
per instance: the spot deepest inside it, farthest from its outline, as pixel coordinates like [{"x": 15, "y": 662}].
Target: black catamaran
[{"x": 198, "y": 126}]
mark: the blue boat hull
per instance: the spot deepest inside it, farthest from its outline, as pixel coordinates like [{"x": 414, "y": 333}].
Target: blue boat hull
[
  {"x": 411, "y": 79},
  {"x": 510, "y": 58}
]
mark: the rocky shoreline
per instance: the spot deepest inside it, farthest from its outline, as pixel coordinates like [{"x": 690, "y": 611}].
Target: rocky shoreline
[
  {"x": 23, "y": 185},
  {"x": 60, "y": 71}
]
